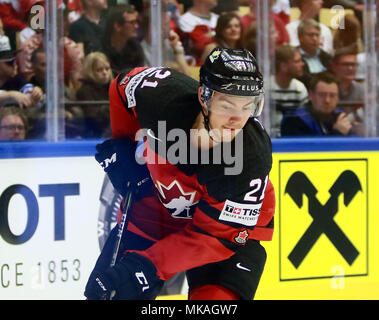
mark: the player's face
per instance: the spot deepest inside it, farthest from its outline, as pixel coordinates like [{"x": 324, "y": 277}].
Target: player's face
[{"x": 228, "y": 115}]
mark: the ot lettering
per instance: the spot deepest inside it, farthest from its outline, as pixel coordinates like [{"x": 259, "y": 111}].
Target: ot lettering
[{"x": 57, "y": 191}]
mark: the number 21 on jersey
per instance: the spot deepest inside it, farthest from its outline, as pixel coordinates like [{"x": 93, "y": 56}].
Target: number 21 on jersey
[
  {"x": 156, "y": 74},
  {"x": 258, "y": 192}
]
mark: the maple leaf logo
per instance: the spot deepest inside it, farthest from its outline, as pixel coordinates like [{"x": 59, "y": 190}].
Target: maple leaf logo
[
  {"x": 179, "y": 203},
  {"x": 242, "y": 236}
]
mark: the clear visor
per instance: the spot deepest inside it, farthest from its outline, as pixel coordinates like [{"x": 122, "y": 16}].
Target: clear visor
[{"x": 233, "y": 106}]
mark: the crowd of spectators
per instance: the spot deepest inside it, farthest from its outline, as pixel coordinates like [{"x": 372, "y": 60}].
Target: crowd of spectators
[{"x": 316, "y": 63}]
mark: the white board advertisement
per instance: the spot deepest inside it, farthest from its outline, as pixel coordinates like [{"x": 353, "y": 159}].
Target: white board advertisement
[{"x": 49, "y": 226}]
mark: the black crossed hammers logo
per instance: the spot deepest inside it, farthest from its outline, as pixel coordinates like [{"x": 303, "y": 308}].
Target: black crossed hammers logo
[{"x": 323, "y": 223}]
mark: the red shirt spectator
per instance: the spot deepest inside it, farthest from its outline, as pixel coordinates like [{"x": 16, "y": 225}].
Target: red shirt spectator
[
  {"x": 282, "y": 37},
  {"x": 197, "y": 27},
  {"x": 73, "y": 56},
  {"x": 14, "y": 13}
]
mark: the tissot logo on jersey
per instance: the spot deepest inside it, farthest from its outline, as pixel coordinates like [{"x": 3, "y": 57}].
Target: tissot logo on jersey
[{"x": 242, "y": 213}]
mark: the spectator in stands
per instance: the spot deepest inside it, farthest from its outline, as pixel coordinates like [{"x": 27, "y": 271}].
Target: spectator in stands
[
  {"x": 320, "y": 116},
  {"x": 13, "y": 87},
  {"x": 228, "y": 33},
  {"x": 250, "y": 38},
  {"x": 349, "y": 39},
  {"x": 186, "y": 4},
  {"x": 174, "y": 11},
  {"x": 197, "y": 26},
  {"x": 120, "y": 43},
  {"x": 14, "y": 15},
  {"x": 351, "y": 92},
  {"x": 1, "y": 28},
  {"x": 177, "y": 60},
  {"x": 97, "y": 75},
  {"x": 224, "y": 6},
  {"x": 282, "y": 8},
  {"x": 173, "y": 51},
  {"x": 13, "y": 123},
  {"x": 287, "y": 93},
  {"x": 74, "y": 8},
  {"x": 310, "y": 9},
  {"x": 37, "y": 116},
  {"x": 31, "y": 16},
  {"x": 89, "y": 28},
  {"x": 282, "y": 35},
  {"x": 38, "y": 60},
  {"x": 356, "y": 5},
  {"x": 316, "y": 59},
  {"x": 344, "y": 66},
  {"x": 72, "y": 52}
]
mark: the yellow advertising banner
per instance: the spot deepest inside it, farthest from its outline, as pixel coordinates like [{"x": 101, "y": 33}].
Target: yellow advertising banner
[{"x": 325, "y": 244}]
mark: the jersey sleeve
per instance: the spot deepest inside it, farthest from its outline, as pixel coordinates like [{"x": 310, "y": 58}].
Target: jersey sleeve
[{"x": 122, "y": 116}]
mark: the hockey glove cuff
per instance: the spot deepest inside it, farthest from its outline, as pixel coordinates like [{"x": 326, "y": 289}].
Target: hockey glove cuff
[
  {"x": 117, "y": 158},
  {"x": 133, "y": 278}
]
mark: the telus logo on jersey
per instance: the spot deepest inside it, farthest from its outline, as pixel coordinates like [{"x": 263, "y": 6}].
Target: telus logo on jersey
[{"x": 242, "y": 213}]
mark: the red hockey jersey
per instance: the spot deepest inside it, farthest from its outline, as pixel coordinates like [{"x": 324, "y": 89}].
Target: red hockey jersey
[{"x": 198, "y": 214}]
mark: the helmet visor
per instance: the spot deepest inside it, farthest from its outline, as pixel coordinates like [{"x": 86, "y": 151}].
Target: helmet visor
[{"x": 231, "y": 106}]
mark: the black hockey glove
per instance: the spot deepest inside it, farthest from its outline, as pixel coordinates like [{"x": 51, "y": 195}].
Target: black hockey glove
[
  {"x": 133, "y": 278},
  {"x": 117, "y": 158}
]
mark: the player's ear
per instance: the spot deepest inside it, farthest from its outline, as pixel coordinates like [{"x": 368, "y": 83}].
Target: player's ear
[
  {"x": 200, "y": 97},
  {"x": 199, "y": 93}
]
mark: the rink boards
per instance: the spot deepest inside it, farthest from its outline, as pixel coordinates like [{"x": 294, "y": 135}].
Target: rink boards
[{"x": 57, "y": 209}]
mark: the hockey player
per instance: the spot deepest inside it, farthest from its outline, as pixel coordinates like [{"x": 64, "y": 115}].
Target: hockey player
[{"x": 190, "y": 216}]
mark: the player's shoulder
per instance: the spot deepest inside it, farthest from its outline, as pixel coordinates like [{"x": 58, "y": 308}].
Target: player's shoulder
[
  {"x": 158, "y": 94},
  {"x": 150, "y": 85},
  {"x": 137, "y": 76},
  {"x": 155, "y": 80}
]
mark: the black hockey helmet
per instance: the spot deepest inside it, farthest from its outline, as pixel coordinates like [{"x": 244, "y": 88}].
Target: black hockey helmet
[{"x": 233, "y": 72}]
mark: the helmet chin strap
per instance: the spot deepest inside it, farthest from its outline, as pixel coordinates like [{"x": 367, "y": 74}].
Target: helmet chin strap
[
  {"x": 207, "y": 125},
  {"x": 206, "y": 95}
]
